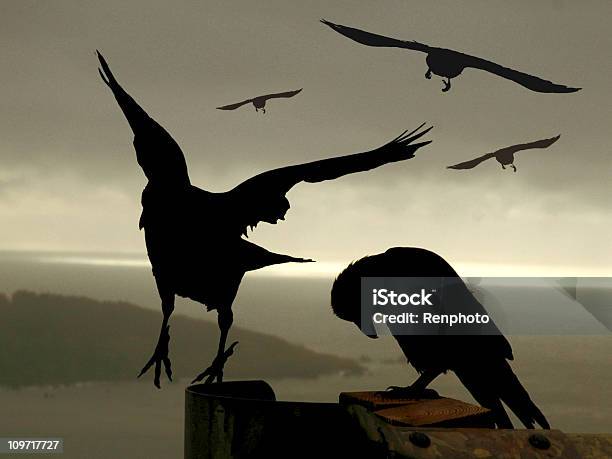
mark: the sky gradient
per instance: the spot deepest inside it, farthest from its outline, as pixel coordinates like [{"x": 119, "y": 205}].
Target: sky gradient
[{"x": 69, "y": 180}]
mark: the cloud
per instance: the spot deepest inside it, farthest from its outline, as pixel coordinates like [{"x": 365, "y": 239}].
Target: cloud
[{"x": 63, "y": 131}]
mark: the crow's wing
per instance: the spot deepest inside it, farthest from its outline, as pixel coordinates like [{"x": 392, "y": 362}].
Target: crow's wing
[
  {"x": 235, "y": 106},
  {"x": 157, "y": 152},
  {"x": 544, "y": 143},
  {"x": 282, "y": 94},
  {"x": 262, "y": 197},
  {"x": 372, "y": 39},
  {"x": 472, "y": 162},
  {"x": 524, "y": 79}
]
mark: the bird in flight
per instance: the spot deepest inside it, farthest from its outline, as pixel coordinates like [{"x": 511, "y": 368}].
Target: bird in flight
[
  {"x": 448, "y": 63},
  {"x": 260, "y": 102},
  {"x": 505, "y": 156},
  {"x": 480, "y": 361},
  {"x": 194, "y": 237}
]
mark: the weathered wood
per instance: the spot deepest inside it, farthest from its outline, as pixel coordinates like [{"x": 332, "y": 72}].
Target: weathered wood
[
  {"x": 373, "y": 400},
  {"x": 439, "y": 412},
  {"x": 442, "y": 412}
]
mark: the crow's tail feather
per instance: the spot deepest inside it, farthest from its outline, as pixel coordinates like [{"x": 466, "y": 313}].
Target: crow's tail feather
[
  {"x": 494, "y": 384},
  {"x": 514, "y": 395},
  {"x": 485, "y": 394}
]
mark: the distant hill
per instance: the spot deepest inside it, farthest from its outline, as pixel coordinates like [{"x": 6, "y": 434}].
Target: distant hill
[{"x": 55, "y": 339}]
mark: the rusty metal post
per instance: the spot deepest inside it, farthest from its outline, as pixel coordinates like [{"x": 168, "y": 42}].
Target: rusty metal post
[{"x": 242, "y": 419}]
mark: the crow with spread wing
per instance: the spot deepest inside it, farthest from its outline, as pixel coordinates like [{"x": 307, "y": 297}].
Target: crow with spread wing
[
  {"x": 194, "y": 237},
  {"x": 505, "y": 156},
  {"x": 448, "y": 63},
  {"x": 260, "y": 102}
]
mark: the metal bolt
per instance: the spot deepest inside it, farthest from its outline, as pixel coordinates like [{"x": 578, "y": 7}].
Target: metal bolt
[
  {"x": 419, "y": 439},
  {"x": 539, "y": 441}
]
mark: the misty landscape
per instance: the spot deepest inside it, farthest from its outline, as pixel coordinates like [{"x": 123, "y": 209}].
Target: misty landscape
[{"x": 74, "y": 355}]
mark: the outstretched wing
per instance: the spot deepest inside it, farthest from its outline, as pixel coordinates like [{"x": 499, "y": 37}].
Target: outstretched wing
[
  {"x": 262, "y": 198},
  {"x": 524, "y": 79},
  {"x": 235, "y": 106},
  {"x": 282, "y": 94},
  {"x": 157, "y": 152},
  {"x": 372, "y": 39},
  {"x": 544, "y": 143},
  {"x": 472, "y": 162}
]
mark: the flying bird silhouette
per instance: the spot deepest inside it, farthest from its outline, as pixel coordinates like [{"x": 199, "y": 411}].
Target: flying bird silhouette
[
  {"x": 260, "y": 102},
  {"x": 505, "y": 156},
  {"x": 448, "y": 63},
  {"x": 194, "y": 237},
  {"x": 479, "y": 361}
]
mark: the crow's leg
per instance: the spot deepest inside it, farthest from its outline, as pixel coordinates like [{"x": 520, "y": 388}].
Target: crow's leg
[
  {"x": 428, "y": 74},
  {"x": 215, "y": 370},
  {"x": 447, "y": 85},
  {"x": 417, "y": 389},
  {"x": 513, "y": 167},
  {"x": 503, "y": 167},
  {"x": 263, "y": 110},
  {"x": 160, "y": 355}
]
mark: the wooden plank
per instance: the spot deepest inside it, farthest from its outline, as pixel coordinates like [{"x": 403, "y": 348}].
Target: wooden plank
[
  {"x": 374, "y": 400},
  {"x": 439, "y": 412},
  {"x": 442, "y": 412}
]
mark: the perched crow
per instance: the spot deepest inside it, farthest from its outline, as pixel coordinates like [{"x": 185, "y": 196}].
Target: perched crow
[
  {"x": 448, "y": 63},
  {"x": 260, "y": 102},
  {"x": 479, "y": 361},
  {"x": 194, "y": 237},
  {"x": 505, "y": 156}
]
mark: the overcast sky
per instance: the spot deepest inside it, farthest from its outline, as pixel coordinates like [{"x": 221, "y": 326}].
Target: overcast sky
[{"x": 69, "y": 179}]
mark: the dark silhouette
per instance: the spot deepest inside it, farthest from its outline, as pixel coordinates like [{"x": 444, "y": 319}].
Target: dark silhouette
[
  {"x": 480, "y": 362},
  {"x": 448, "y": 63},
  {"x": 505, "y": 156},
  {"x": 194, "y": 237},
  {"x": 260, "y": 102}
]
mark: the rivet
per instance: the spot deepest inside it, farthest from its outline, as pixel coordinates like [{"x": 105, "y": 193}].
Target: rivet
[
  {"x": 419, "y": 439},
  {"x": 539, "y": 441}
]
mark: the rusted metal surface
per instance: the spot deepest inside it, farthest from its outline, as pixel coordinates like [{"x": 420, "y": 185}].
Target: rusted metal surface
[
  {"x": 592, "y": 446},
  {"x": 461, "y": 443},
  {"x": 243, "y": 420},
  {"x": 478, "y": 443}
]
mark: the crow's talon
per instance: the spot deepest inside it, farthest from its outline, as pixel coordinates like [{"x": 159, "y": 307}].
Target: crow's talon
[
  {"x": 215, "y": 370},
  {"x": 159, "y": 357}
]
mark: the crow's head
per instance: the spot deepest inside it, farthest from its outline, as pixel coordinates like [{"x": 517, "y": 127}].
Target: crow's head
[
  {"x": 395, "y": 262},
  {"x": 346, "y": 294}
]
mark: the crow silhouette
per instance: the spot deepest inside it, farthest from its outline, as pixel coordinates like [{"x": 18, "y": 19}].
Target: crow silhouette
[
  {"x": 505, "y": 156},
  {"x": 194, "y": 237},
  {"x": 260, "y": 102},
  {"x": 479, "y": 361},
  {"x": 448, "y": 63}
]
